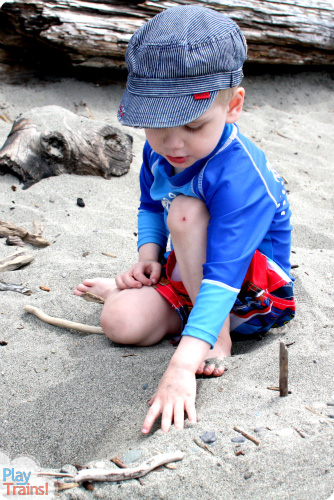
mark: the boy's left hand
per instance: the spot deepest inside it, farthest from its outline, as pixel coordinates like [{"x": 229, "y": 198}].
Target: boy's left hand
[{"x": 175, "y": 395}]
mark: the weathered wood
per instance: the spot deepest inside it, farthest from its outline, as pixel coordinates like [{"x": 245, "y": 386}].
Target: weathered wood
[
  {"x": 130, "y": 472},
  {"x": 9, "y": 229},
  {"x": 63, "y": 323},
  {"x": 15, "y": 261},
  {"x": 283, "y": 370},
  {"x": 4, "y": 287},
  {"x": 95, "y": 33},
  {"x": 51, "y": 140}
]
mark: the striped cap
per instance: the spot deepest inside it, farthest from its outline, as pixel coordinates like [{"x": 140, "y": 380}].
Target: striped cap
[{"x": 177, "y": 63}]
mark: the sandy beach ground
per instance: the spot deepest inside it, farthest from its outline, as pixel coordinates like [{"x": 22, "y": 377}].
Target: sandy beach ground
[{"x": 72, "y": 398}]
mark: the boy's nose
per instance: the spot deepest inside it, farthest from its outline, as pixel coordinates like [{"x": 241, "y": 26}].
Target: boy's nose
[{"x": 173, "y": 138}]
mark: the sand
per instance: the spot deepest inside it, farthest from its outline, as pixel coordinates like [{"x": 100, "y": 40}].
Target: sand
[{"x": 72, "y": 398}]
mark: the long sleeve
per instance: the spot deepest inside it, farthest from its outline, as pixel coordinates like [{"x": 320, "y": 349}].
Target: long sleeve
[
  {"x": 242, "y": 206},
  {"x": 151, "y": 224}
]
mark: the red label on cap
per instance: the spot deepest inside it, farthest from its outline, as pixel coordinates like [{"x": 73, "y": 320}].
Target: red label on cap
[{"x": 203, "y": 95}]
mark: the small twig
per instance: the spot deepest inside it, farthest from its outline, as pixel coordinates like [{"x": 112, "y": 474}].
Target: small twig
[
  {"x": 91, "y": 297},
  {"x": 276, "y": 389},
  {"x": 300, "y": 432},
  {"x": 38, "y": 228},
  {"x": 282, "y": 135},
  {"x": 317, "y": 413},
  {"x": 55, "y": 474},
  {"x": 246, "y": 435},
  {"x": 109, "y": 255},
  {"x": 62, "y": 323},
  {"x": 203, "y": 446},
  {"x": 283, "y": 370},
  {"x": 89, "y": 112}
]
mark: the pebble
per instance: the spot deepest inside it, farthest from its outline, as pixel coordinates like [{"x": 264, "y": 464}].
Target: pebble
[
  {"x": 331, "y": 415},
  {"x": 260, "y": 429},
  {"x": 209, "y": 437},
  {"x": 330, "y": 402},
  {"x": 132, "y": 456},
  {"x": 80, "y": 202},
  {"x": 64, "y": 275},
  {"x": 238, "y": 439},
  {"x": 248, "y": 475},
  {"x": 145, "y": 386}
]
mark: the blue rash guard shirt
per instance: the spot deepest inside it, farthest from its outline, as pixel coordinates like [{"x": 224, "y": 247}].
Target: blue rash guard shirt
[{"x": 248, "y": 208}]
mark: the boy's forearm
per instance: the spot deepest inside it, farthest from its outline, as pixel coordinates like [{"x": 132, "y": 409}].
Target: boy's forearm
[
  {"x": 150, "y": 251},
  {"x": 190, "y": 353}
]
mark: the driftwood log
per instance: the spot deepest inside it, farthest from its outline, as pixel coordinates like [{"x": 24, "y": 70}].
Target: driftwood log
[
  {"x": 95, "y": 33},
  {"x": 9, "y": 229},
  {"x": 117, "y": 475},
  {"x": 51, "y": 140}
]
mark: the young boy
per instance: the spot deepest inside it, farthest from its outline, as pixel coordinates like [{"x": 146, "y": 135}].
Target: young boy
[{"x": 213, "y": 192}]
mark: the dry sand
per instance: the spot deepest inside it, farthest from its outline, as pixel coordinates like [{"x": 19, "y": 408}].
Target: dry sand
[{"x": 72, "y": 398}]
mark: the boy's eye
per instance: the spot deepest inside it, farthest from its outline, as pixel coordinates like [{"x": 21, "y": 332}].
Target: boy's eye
[{"x": 193, "y": 128}]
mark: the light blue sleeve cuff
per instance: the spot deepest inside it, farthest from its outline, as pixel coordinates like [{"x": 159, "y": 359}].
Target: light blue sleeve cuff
[
  {"x": 151, "y": 228},
  {"x": 213, "y": 304},
  {"x": 199, "y": 334}
]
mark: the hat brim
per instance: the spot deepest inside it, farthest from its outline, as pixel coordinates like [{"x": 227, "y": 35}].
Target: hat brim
[{"x": 162, "y": 112}]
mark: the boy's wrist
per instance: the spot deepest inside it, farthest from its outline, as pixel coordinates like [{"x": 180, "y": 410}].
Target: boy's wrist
[
  {"x": 149, "y": 251},
  {"x": 190, "y": 353}
]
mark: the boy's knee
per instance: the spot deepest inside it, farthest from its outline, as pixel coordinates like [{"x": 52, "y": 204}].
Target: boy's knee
[
  {"x": 118, "y": 325},
  {"x": 113, "y": 322},
  {"x": 185, "y": 211}
]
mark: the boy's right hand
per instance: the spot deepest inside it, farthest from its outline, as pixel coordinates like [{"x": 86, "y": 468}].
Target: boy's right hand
[{"x": 144, "y": 273}]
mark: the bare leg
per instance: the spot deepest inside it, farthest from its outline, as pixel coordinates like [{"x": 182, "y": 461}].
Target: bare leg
[
  {"x": 134, "y": 316},
  {"x": 187, "y": 221}
]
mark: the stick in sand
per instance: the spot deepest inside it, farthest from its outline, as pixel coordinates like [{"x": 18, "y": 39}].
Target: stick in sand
[
  {"x": 128, "y": 473},
  {"x": 283, "y": 370},
  {"x": 62, "y": 323},
  {"x": 247, "y": 436}
]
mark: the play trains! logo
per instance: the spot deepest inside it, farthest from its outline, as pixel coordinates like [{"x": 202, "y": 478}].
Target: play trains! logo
[{"x": 19, "y": 477}]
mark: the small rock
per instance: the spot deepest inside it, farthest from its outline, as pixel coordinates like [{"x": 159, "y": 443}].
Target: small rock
[
  {"x": 14, "y": 241},
  {"x": 257, "y": 430},
  {"x": 331, "y": 401},
  {"x": 64, "y": 275},
  {"x": 209, "y": 437},
  {"x": 331, "y": 415},
  {"x": 132, "y": 456},
  {"x": 145, "y": 386},
  {"x": 248, "y": 475},
  {"x": 69, "y": 469},
  {"x": 80, "y": 202},
  {"x": 100, "y": 465},
  {"x": 238, "y": 439}
]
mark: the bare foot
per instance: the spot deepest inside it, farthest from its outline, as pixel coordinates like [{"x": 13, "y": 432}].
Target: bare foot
[
  {"x": 99, "y": 286},
  {"x": 214, "y": 365}
]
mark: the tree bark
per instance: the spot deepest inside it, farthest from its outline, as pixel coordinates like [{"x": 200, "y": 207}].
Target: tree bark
[{"x": 93, "y": 33}]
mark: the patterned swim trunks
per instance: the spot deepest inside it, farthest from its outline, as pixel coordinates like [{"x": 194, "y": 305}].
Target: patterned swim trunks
[{"x": 265, "y": 299}]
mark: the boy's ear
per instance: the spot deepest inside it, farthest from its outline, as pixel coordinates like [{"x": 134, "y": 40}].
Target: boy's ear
[{"x": 235, "y": 105}]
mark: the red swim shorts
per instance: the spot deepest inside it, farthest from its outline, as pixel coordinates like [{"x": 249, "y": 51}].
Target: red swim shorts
[{"x": 265, "y": 299}]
